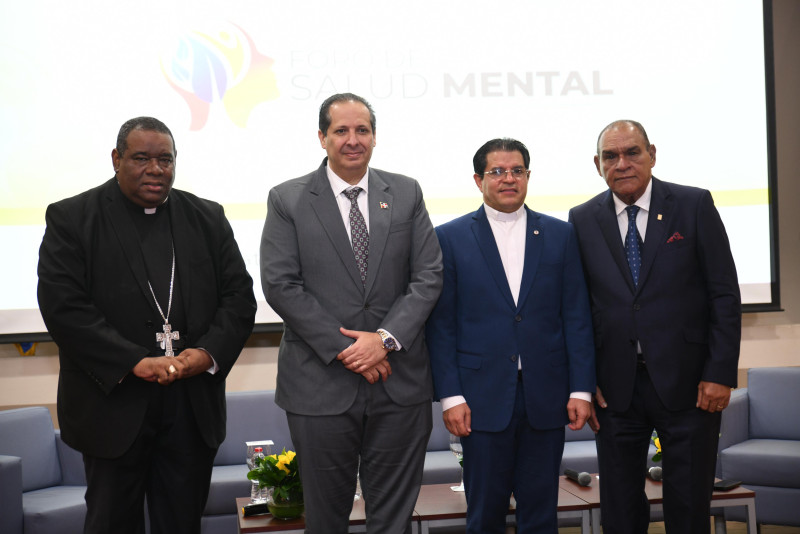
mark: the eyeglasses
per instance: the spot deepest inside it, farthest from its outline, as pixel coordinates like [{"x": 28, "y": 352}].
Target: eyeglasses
[
  {"x": 165, "y": 162},
  {"x": 517, "y": 173}
]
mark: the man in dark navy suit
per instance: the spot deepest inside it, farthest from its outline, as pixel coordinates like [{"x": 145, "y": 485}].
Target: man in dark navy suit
[
  {"x": 667, "y": 322},
  {"x": 511, "y": 345}
]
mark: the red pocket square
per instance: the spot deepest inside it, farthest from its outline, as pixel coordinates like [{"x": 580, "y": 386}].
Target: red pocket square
[{"x": 675, "y": 237}]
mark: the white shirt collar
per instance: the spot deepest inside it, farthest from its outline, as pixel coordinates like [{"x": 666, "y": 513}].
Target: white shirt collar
[
  {"x": 643, "y": 202},
  {"x": 502, "y": 216},
  {"x": 339, "y": 185}
]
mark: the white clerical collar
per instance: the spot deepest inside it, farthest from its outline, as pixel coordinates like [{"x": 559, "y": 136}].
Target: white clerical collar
[
  {"x": 152, "y": 211},
  {"x": 502, "y": 216},
  {"x": 643, "y": 201},
  {"x": 339, "y": 185}
]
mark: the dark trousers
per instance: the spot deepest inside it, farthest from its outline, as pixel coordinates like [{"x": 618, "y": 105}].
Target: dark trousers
[
  {"x": 689, "y": 443},
  {"x": 519, "y": 459},
  {"x": 168, "y": 462},
  {"x": 390, "y": 441}
]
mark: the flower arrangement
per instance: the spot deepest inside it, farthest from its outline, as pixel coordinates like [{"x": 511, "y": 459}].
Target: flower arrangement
[
  {"x": 279, "y": 472},
  {"x": 657, "y": 443}
]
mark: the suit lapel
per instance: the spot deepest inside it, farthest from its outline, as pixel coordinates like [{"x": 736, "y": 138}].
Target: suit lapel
[
  {"x": 491, "y": 254},
  {"x": 185, "y": 239},
  {"x": 327, "y": 211},
  {"x": 380, "y": 217},
  {"x": 117, "y": 213},
  {"x": 661, "y": 206},
  {"x": 533, "y": 252},
  {"x": 606, "y": 217}
]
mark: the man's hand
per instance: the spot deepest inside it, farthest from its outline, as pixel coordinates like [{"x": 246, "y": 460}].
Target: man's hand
[
  {"x": 365, "y": 353},
  {"x": 458, "y": 420},
  {"x": 162, "y": 369},
  {"x": 713, "y": 397},
  {"x": 578, "y": 411},
  {"x": 594, "y": 423},
  {"x": 194, "y": 361},
  {"x": 380, "y": 372}
]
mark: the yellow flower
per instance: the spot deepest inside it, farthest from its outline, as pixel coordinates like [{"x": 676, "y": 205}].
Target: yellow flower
[
  {"x": 657, "y": 443},
  {"x": 273, "y": 456}
]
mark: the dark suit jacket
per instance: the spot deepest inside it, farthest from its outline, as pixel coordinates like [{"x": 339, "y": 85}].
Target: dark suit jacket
[
  {"x": 686, "y": 312},
  {"x": 476, "y": 332},
  {"x": 97, "y": 306},
  {"x": 310, "y": 278}
]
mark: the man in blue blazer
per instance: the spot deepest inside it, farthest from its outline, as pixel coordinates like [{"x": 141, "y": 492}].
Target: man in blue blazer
[
  {"x": 667, "y": 322},
  {"x": 511, "y": 345}
]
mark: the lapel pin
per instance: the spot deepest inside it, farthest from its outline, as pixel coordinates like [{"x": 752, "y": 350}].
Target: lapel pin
[
  {"x": 659, "y": 216},
  {"x": 384, "y": 206},
  {"x": 536, "y": 232}
]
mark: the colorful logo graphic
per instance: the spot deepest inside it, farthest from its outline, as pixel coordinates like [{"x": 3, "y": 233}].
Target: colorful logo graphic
[{"x": 207, "y": 69}]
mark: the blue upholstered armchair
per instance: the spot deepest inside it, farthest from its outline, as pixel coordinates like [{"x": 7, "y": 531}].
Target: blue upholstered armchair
[
  {"x": 42, "y": 481},
  {"x": 760, "y": 444}
]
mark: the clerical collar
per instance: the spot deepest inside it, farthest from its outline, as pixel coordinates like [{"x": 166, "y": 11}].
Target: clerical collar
[{"x": 502, "y": 216}]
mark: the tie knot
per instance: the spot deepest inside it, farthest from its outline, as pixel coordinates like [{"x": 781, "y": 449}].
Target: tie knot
[
  {"x": 352, "y": 194},
  {"x": 632, "y": 211}
]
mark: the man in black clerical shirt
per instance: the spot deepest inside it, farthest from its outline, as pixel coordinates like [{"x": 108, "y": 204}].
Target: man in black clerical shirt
[{"x": 145, "y": 292}]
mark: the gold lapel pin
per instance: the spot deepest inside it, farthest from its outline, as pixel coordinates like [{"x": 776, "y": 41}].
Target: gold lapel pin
[
  {"x": 659, "y": 216},
  {"x": 536, "y": 232}
]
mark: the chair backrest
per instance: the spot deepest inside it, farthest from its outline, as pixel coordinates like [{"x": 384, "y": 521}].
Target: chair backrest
[
  {"x": 774, "y": 397},
  {"x": 584, "y": 434},
  {"x": 440, "y": 437},
  {"x": 252, "y": 416},
  {"x": 29, "y": 434}
]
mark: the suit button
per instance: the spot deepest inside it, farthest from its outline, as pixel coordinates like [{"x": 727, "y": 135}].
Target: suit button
[
  {"x": 637, "y": 307},
  {"x": 148, "y": 324},
  {"x": 514, "y": 358},
  {"x": 518, "y": 318}
]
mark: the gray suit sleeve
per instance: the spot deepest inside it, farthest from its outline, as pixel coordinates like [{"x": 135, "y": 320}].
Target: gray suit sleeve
[
  {"x": 407, "y": 316},
  {"x": 284, "y": 289}
]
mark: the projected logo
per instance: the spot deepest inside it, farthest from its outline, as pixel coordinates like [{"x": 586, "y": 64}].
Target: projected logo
[{"x": 224, "y": 69}]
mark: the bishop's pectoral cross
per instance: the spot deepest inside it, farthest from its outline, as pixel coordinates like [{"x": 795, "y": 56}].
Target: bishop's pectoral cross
[{"x": 166, "y": 339}]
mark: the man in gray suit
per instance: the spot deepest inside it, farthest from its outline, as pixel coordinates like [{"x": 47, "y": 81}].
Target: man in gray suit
[{"x": 350, "y": 261}]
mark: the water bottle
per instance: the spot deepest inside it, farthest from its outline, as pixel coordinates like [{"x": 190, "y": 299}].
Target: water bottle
[{"x": 257, "y": 495}]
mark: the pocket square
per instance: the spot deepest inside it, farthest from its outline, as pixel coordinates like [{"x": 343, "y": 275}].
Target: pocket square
[{"x": 675, "y": 237}]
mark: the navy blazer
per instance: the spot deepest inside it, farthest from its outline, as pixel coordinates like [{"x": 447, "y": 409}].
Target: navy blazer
[
  {"x": 476, "y": 333},
  {"x": 686, "y": 311}
]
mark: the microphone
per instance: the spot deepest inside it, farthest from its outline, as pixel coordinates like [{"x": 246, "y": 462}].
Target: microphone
[
  {"x": 654, "y": 473},
  {"x": 583, "y": 478}
]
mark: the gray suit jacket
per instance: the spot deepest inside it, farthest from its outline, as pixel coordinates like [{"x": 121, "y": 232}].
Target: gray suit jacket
[{"x": 310, "y": 278}]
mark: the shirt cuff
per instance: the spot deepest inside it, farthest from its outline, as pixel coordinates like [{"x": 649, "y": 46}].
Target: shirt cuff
[
  {"x": 214, "y": 367},
  {"x": 582, "y": 395},
  {"x": 449, "y": 402}
]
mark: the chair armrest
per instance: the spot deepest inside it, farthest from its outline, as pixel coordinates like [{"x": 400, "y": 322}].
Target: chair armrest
[
  {"x": 10, "y": 494},
  {"x": 73, "y": 472}
]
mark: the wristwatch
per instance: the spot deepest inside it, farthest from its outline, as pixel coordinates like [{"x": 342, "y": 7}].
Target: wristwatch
[{"x": 389, "y": 342}]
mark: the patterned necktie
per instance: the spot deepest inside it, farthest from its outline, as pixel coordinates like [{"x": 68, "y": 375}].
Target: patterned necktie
[
  {"x": 358, "y": 233},
  {"x": 632, "y": 248}
]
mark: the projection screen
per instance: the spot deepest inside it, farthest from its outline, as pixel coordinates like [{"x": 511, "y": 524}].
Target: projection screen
[{"x": 240, "y": 84}]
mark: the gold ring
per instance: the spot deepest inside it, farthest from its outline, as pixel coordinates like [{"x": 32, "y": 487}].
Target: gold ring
[
  {"x": 719, "y": 406},
  {"x": 172, "y": 369}
]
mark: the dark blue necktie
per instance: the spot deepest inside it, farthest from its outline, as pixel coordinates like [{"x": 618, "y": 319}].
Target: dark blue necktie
[{"x": 632, "y": 249}]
